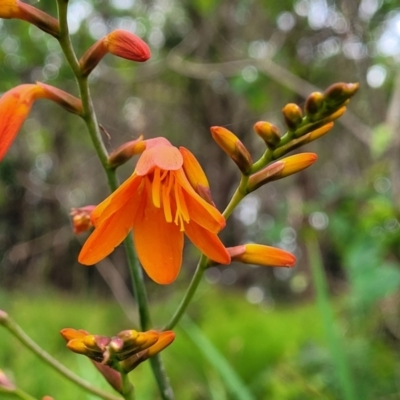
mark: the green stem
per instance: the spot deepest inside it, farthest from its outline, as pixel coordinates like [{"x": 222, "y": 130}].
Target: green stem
[
  {"x": 203, "y": 263},
  {"x": 18, "y": 332},
  {"x": 20, "y": 394},
  {"x": 191, "y": 290},
  {"x": 128, "y": 390},
  {"x": 138, "y": 284},
  {"x": 145, "y": 319},
  {"x": 90, "y": 119}
]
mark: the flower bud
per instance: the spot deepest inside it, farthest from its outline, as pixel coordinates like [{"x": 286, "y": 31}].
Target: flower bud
[
  {"x": 314, "y": 104},
  {"x": 262, "y": 255},
  {"x": 293, "y": 115},
  {"x": 20, "y": 10},
  {"x": 164, "y": 340},
  {"x": 232, "y": 146},
  {"x": 309, "y": 137},
  {"x": 81, "y": 219},
  {"x": 268, "y": 132},
  {"x": 338, "y": 93},
  {"x": 120, "y": 43},
  {"x": 126, "y": 151},
  {"x": 264, "y": 176},
  {"x": 281, "y": 169}
]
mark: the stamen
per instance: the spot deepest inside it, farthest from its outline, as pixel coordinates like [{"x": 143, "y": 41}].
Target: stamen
[
  {"x": 166, "y": 189},
  {"x": 156, "y": 188},
  {"x": 181, "y": 209}
]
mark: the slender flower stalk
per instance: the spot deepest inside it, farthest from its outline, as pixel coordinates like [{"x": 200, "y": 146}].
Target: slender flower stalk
[
  {"x": 17, "y": 332},
  {"x": 95, "y": 134}
]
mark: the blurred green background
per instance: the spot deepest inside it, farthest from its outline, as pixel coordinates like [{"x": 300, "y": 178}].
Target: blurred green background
[{"x": 228, "y": 63}]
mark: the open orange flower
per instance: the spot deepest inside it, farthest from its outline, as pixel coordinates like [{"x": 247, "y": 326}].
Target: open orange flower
[{"x": 160, "y": 205}]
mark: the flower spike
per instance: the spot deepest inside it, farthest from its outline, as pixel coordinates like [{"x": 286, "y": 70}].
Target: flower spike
[
  {"x": 120, "y": 43},
  {"x": 19, "y": 10}
]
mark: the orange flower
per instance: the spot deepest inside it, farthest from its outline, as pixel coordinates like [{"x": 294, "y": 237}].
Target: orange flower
[
  {"x": 160, "y": 205},
  {"x": 20, "y": 10},
  {"x": 16, "y": 104}
]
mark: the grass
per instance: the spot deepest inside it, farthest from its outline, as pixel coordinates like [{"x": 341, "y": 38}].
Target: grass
[{"x": 278, "y": 353}]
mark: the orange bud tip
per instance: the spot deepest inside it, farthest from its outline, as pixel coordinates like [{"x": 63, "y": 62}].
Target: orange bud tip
[
  {"x": 265, "y": 255},
  {"x": 125, "y": 44},
  {"x": 340, "y": 92},
  {"x": 232, "y": 146},
  {"x": 268, "y": 132},
  {"x": 293, "y": 115},
  {"x": 70, "y": 333}
]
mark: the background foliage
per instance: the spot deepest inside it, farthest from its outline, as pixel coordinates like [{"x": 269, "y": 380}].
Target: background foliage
[{"x": 228, "y": 63}]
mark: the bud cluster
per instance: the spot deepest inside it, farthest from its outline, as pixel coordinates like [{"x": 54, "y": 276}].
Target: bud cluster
[
  {"x": 304, "y": 126},
  {"x": 123, "y": 352}
]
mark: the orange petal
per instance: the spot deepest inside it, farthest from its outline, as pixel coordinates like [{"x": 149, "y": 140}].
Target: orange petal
[
  {"x": 208, "y": 243},
  {"x": 14, "y": 108},
  {"x": 193, "y": 170},
  {"x": 200, "y": 210},
  {"x": 108, "y": 234},
  {"x": 164, "y": 157},
  {"x": 127, "y": 191},
  {"x": 159, "y": 244},
  {"x": 9, "y": 9}
]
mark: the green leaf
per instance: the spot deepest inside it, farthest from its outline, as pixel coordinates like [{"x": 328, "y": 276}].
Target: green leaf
[{"x": 231, "y": 379}]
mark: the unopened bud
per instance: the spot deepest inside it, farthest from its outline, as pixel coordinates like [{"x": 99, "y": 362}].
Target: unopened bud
[
  {"x": 268, "y": 132},
  {"x": 258, "y": 254},
  {"x": 309, "y": 137},
  {"x": 338, "y": 93},
  {"x": 232, "y": 146},
  {"x": 293, "y": 115},
  {"x": 120, "y": 43},
  {"x": 281, "y": 169},
  {"x": 70, "y": 333},
  {"x": 164, "y": 340},
  {"x": 126, "y": 151},
  {"x": 81, "y": 218},
  {"x": 264, "y": 176},
  {"x": 314, "y": 104}
]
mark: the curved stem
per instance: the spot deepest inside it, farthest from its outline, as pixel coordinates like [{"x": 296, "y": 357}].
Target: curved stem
[
  {"x": 202, "y": 265},
  {"x": 20, "y": 394},
  {"x": 190, "y": 291},
  {"x": 19, "y": 333}
]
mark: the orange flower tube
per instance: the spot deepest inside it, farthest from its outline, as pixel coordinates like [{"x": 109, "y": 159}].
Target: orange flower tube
[
  {"x": 15, "y": 106},
  {"x": 160, "y": 205}
]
